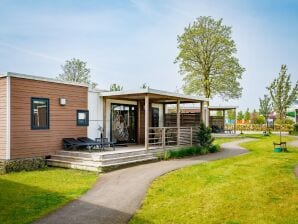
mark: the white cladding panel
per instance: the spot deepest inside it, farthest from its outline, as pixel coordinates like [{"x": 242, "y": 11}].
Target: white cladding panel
[{"x": 95, "y": 107}]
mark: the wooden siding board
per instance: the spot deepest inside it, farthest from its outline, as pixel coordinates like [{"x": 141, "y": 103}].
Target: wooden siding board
[{"x": 30, "y": 143}]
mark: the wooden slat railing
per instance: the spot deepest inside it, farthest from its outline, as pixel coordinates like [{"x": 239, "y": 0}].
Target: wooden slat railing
[{"x": 164, "y": 137}]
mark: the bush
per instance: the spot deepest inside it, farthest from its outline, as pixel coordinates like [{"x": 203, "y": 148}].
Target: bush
[
  {"x": 203, "y": 136},
  {"x": 214, "y": 148},
  {"x": 7, "y": 166}
]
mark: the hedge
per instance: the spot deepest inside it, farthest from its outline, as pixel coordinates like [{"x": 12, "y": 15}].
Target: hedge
[{"x": 7, "y": 166}]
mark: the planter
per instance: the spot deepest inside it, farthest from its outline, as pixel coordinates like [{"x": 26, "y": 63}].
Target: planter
[{"x": 277, "y": 150}]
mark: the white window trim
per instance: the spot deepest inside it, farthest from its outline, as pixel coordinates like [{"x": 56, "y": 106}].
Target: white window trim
[{"x": 8, "y": 95}]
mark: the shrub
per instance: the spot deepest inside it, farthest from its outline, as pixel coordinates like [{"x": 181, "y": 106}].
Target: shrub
[
  {"x": 203, "y": 136},
  {"x": 214, "y": 148},
  {"x": 7, "y": 166}
]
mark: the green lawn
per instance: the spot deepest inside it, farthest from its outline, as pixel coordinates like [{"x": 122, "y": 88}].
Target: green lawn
[
  {"x": 27, "y": 196},
  {"x": 258, "y": 187},
  {"x": 219, "y": 141}
]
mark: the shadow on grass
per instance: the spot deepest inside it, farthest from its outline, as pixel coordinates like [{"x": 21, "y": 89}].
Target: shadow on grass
[{"x": 21, "y": 203}]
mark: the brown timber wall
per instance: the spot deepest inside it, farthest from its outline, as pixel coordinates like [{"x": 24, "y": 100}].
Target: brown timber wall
[
  {"x": 2, "y": 118},
  {"x": 186, "y": 119},
  {"x": 31, "y": 143}
]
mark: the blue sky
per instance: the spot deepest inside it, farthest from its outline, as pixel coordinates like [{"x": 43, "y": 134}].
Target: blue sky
[{"x": 132, "y": 42}]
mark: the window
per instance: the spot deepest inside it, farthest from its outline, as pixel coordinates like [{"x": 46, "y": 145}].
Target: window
[
  {"x": 82, "y": 117},
  {"x": 40, "y": 113}
]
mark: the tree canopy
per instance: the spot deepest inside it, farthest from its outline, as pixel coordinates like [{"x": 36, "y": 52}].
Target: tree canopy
[
  {"x": 207, "y": 60},
  {"x": 76, "y": 71},
  {"x": 282, "y": 93},
  {"x": 265, "y": 106},
  {"x": 116, "y": 87}
]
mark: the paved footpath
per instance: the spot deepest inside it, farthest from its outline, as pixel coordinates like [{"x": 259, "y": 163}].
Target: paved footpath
[{"x": 118, "y": 194}]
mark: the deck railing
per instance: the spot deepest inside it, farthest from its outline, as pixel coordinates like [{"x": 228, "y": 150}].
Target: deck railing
[{"x": 165, "y": 137}]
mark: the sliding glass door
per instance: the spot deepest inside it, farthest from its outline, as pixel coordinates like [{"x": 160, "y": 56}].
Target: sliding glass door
[{"x": 123, "y": 123}]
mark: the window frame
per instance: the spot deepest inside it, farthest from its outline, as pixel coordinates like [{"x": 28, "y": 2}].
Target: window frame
[
  {"x": 87, "y": 118},
  {"x": 33, "y": 127}
]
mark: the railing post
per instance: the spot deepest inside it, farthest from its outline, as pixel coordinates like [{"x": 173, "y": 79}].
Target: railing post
[
  {"x": 191, "y": 136},
  {"x": 163, "y": 138}
]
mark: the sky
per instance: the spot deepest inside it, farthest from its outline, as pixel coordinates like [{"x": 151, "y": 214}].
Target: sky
[{"x": 135, "y": 42}]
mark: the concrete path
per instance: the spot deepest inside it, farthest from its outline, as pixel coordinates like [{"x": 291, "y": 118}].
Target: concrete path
[{"x": 118, "y": 194}]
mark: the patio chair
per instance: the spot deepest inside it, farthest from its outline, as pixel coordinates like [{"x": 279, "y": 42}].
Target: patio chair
[
  {"x": 96, "y": 145},
  {"x": 71, "y": 143}
]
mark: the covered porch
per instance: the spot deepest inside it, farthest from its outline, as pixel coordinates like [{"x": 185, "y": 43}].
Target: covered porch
[
  {"x": 140, "y": 118},
  {"x": 222, "y": 119}
]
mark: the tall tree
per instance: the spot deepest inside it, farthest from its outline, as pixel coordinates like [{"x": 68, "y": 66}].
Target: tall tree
[
  {"x": 116, "y": 87},
  {"x": 207, "y": 59},
  {"x": 265, "y": 108},
  {"x": 231, "y": 115},
  {"x": 240, "y": 115},
  {"x": 282, "y": 94},
  {"x": 76, "y": 71},
  {"x": 247, "y": 115},
  {"x": 254, "y": 116}
]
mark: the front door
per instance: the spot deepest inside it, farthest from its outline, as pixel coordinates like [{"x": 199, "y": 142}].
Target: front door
[{"x": 123, "y": 123}]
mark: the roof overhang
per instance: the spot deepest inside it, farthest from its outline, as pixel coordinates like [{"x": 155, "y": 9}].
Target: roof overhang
[
  {"x": 40, "y": 78},
  {"x": 222, "y": 107},
  {"x": 155, "y": 95}
]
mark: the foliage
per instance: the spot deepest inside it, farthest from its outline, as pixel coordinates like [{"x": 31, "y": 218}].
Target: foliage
[
  {"x": 265, "y": 106},
  {"x": 7, "y": 166},
  {"x": 285, "y": 121},
  {"x": 247, "y": 115},
  {"x": 207, "y": 59},
  {"x": 203, "y": 136},
  {"x": 145, "y": 86},
  {"x": 231, "y": 114},
  {"x": 260, "y": 119},
  {"x": 261, "y": 127},
  {"x": 75, "y": 70},
  {"x": 116, "y": 87},
  {"x": 240, "y": 115},
  {"x": 282, "y": 93},
  {"x": 28, "y": 196},
  {"x": 258, "y": 187}
]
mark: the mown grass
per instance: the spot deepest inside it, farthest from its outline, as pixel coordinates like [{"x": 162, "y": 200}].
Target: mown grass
[
  {"x": 27, "y": 196},
  {"x": 258, "y": 187}
]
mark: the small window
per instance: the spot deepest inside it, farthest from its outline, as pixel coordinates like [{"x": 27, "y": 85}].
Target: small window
[
  {"x": 82, "y": 117},
  {"x": 40, "y": 113}
]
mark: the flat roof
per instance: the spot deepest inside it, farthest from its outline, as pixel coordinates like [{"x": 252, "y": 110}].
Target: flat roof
[
  {"x": 40, "y": 78},
  {"x": 222, "y": 107},
  {"x": 154, "y": 94}
]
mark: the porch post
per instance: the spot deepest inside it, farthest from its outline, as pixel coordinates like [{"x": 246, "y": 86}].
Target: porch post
[
  {"x": 139, "y": 121},
  {"x": 104, "y": 119},
  {"x": 178, "y": 122},
  {"x": 224, "y": 117},
  {"x": 146, "y": 121},
  {"x": 202, "y": 111},
  {"x": 163, "y": 114}
]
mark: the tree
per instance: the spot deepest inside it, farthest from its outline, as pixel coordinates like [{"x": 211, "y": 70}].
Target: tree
[
  {"x": 75, "y": 70},
  {"x": 265, "y": 108},
  {"x": 231, "y": 115},
  {"x": 253, "y": 116},
  {"x": 206, "y": 59},
  {"x": 145, "y": 86},
  {"x": 247, "y": 115},
  {"x": 204, "y": 137},
  {"x": 282, "y": 94},
  {"x": 240, "y": 115},
  {"x": 116, "y": 87}
]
